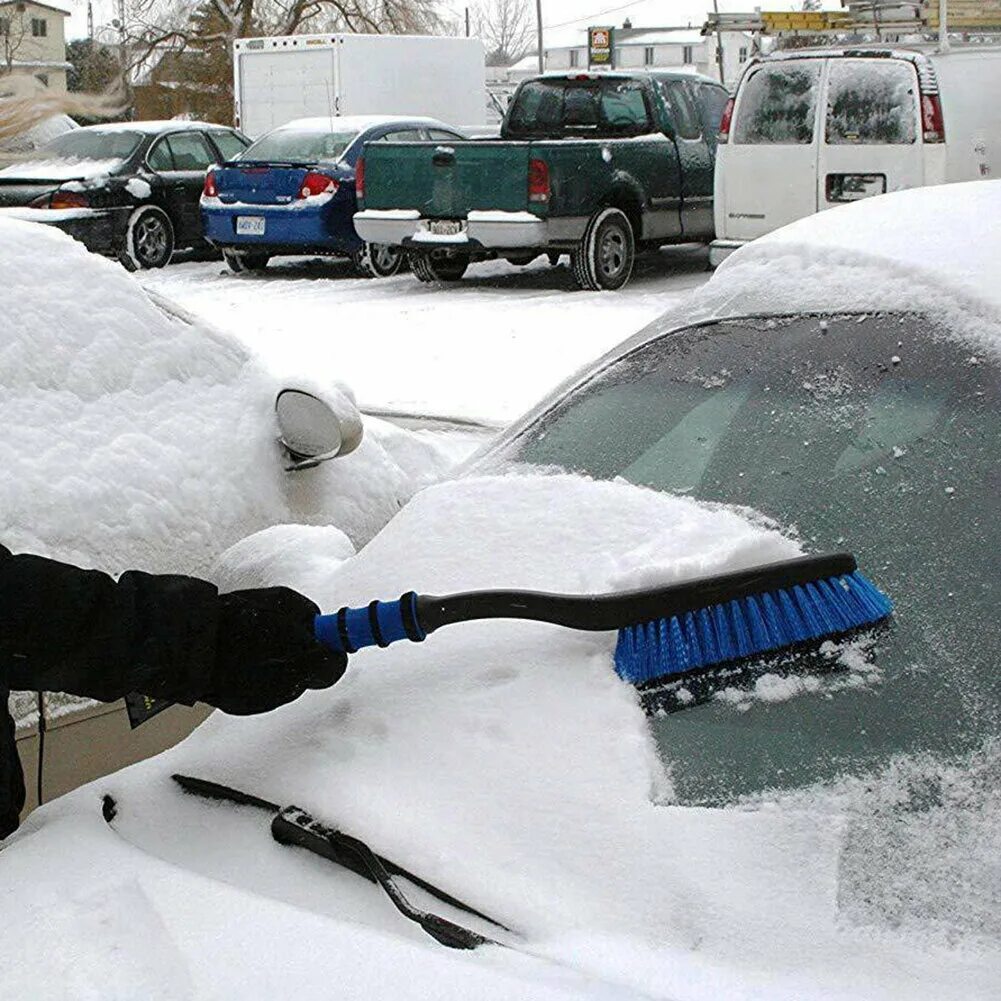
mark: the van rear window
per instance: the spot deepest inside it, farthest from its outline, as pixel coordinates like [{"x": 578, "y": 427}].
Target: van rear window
[
  {"x": 777, "y": 104},
  {"x": 871, "y": 103}
]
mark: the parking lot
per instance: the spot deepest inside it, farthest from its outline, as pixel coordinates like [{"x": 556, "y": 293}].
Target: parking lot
[{"x": 485, "y": 348}]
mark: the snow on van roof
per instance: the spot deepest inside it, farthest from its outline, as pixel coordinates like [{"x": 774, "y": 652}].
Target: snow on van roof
[
  {"x": 932, "y": 250},
  {"x": 354, "y": 123}
]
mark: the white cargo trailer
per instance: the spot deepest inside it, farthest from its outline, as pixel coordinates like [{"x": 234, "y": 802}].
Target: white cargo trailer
[{"x": 276, "y": 80}]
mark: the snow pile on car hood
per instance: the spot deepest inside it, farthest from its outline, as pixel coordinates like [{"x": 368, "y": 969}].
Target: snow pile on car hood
[{"x": 135, "y": 437}]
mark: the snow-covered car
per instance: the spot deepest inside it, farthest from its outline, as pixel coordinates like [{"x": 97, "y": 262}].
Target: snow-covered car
[
  {"x": 137, "y": 437},
  {"x": 126, "y": 189},
  {"x": 829, "y": 832}
]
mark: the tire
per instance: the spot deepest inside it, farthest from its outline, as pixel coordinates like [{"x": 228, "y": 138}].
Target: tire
[
  {"x": 378, "y": 260},
  {"x": 434, "y": 270},
  {"x": 607, "y": 252},
  {"x": 239, "y": 263},
  {"x": 149, "y": 239}
]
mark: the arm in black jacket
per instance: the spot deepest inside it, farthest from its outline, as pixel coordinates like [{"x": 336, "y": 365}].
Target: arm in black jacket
[{"x": 80, "y": 631}]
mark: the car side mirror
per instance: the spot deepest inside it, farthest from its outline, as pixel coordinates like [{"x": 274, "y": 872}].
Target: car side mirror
[{"x": 311, "y": 432}]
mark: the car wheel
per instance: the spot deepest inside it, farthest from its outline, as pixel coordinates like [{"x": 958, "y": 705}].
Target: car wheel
[
  {"x": 378, "y": 260},
  {"x": 149, "y": 239},
  {"x": 239, "y": 263},
  {"x": 438, "y": 269},
  {"x": 607, "y": 252}
]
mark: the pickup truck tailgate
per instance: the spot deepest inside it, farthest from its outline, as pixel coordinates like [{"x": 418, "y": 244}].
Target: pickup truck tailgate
[{"x": 447, "y": 180}]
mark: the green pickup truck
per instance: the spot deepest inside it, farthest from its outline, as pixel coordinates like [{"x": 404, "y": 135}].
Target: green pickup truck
[{"x": 594, "y": 165}]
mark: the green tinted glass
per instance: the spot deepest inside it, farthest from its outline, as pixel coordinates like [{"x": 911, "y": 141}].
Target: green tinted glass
[{"x": 876, "y": 434}]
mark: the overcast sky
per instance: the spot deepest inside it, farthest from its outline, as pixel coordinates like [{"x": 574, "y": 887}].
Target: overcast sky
[{"x": 560, "y": 17}]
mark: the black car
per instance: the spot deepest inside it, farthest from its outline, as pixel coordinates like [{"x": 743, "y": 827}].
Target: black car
[{"x": 129, "y": 190}]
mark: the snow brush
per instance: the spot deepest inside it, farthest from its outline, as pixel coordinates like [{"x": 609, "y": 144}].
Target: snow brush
[{"x": 664, "y": 632}]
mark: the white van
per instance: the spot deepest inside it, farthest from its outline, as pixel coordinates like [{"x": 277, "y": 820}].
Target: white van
[{"x": 811, "y": 129}]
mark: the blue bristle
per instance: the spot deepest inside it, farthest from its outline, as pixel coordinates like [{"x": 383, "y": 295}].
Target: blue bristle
[
  {"x": 741, "y": 636},
  {"x": 748, "y": 627}
]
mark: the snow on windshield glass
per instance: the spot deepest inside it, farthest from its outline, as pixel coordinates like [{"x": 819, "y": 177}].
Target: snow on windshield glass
[
  {"x": 80, "y": 153},
  {"x": 871, "y": 102},
  {"x": 859, "y": 433},
  {"x": 776, "y": 103}
]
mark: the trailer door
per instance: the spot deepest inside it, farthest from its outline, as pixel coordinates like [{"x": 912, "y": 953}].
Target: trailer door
[
  {"x": 872, "y": 138},
  {"x": 279, "y": 85},
  {"x": 769, "y": 167}
]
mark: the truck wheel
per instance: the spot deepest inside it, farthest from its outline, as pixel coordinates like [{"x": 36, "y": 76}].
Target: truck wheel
[
  {"x": 378, "y": 260},
  {"x": 438, "y": 269},
  {"x": 607, "y": 251},
  {"x": 239, "y": 263},
  {"x": 149, "y": 239}
]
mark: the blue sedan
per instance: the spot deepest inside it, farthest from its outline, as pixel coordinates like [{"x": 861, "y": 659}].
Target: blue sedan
[{"x": 293, "y": 192}]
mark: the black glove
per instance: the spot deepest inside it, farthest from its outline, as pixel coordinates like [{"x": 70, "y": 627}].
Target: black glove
[{"x": 266, "y": 654}]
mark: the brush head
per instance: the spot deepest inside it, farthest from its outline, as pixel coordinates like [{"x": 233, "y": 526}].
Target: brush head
[{"x": 748, "y": 627}]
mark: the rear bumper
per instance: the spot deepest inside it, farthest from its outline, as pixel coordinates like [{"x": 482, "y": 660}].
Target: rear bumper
[
  {"x": 101, "y": 231},
  {"x": 481, "y": 230},
  {"x": 323, "y": 229},
  {"x": 720, "y": 250}
]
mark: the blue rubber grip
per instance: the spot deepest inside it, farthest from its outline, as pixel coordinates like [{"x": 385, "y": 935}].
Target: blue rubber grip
[{"x": 377, "y": 624}]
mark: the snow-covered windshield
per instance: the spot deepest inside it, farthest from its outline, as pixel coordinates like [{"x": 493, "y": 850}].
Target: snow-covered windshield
[
  {"x": 776, "y": 104},
  {"x": 92, "y": 144},
  {"x": 299, "y": 146},
  {"x": 876, "y": 434}
]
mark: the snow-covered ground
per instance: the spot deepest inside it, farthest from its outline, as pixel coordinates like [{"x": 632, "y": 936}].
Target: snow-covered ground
[{"x": 487, "y": 347}]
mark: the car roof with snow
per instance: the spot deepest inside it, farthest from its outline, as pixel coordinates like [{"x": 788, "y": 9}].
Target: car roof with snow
[
  {"x": 353, "y": 123},
  {"x": 154, "y": 127}
]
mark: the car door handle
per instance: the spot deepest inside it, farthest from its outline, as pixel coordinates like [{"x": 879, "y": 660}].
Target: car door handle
[{"x": 443, "y": 158}]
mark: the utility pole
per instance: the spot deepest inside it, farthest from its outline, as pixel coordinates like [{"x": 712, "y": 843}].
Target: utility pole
[
  {"x": 943, "y": 27},
  {"x": 719, "y": 43},
  {"x": 467, "y": 23},
  {"x": 538, "y": 29},
  {"x": 90, "y": 21}
]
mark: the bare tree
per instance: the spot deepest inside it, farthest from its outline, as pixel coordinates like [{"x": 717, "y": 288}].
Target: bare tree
[
  {"x": 175, "y": 24},
  {"x": 13, "y": 32},
  {"x": 507, "y": 30}
]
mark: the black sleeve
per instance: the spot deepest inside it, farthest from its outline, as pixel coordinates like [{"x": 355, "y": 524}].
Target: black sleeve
[{"x": 174, "y": 637}]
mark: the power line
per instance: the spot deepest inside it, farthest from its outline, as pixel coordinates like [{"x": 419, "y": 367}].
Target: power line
[{"x": 597, "y": 13}]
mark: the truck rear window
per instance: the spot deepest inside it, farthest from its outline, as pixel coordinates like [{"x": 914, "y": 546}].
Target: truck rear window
[
  {"x": 871, "y": 103},
  {"x": 777, "y": 104},
  {"x": 583, "y": 107}
]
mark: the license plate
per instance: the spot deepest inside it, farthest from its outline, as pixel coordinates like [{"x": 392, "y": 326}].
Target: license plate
[
  {"x": 853, "y": 187},
  {"x": 250, "y": 225},
  {"x": 445, "y": 227}
]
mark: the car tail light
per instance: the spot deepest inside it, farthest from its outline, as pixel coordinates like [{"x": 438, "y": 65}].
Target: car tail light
[
  {"x": 538, "y": 181},
  {"x": 211, "y": 189},
  {"x": 932, "y": 124},
  {"x": 315, "y": 183},
  {"x": 724, "y": 123},
  {"x": 64, "y": 200},
  {"x": 360, "y": 177}
]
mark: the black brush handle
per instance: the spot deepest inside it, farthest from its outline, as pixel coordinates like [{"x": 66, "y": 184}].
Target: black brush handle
[{"x": 414, "y": 616}]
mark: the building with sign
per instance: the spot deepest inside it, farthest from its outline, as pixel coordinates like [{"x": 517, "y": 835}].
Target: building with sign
[{"x": 654, "y": 48}]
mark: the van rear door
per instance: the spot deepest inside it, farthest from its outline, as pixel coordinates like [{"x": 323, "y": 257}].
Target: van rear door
[
  {"x": 871, "y": 140},
  {"x": 768, "y": 169}
]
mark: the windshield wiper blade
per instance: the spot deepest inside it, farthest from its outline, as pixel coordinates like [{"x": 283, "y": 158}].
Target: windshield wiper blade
[{"x": 291, "y": 825}]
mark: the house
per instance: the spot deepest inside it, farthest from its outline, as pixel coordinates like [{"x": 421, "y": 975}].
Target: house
[
  {"x": 33, "y": 42},
  {"x": 662, "y": 48}
]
